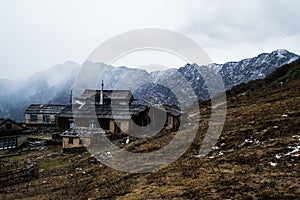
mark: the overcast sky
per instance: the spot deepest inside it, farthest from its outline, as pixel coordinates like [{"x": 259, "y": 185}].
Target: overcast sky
[{"x": 36, "y": 35}]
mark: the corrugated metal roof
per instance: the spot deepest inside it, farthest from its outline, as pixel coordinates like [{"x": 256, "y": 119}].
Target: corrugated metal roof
[{"x": 44, "y": 109}]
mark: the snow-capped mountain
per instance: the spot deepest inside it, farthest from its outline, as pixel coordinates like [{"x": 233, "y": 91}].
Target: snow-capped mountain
[
  {"x": 258, "y": 67},
  {"x": 168, "y": 86},
  {"x": 232, "y": 73}
]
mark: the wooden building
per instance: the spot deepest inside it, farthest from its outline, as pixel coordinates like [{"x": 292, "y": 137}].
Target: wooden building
[
  {"x": 174, "y": 117},
  {"x": 110, "y": 111},
  {"x": 114, "y": 110},
  {"x": 117, "y": 119},
  {"x": 12, "y": 134},
  {"x": 43, "y": 116}
]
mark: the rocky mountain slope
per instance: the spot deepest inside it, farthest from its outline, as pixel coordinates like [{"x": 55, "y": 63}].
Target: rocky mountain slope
[{"x": 55, "y": 85}]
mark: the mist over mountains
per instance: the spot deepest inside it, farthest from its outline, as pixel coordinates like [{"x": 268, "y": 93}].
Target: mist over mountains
[
  {"x": 42, "y": 87},
  {"x": 55, "y": 84}
]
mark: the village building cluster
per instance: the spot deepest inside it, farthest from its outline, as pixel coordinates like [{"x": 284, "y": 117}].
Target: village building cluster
[{"x": 110, "y": 112}]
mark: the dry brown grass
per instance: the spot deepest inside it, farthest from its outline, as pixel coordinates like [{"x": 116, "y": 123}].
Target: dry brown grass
[{"x": 243, "y": 173}]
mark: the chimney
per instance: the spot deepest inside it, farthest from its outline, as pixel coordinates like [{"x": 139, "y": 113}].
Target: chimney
[
  {"x": 71, "y": 96},
  {"x": 101, "y": 94}
]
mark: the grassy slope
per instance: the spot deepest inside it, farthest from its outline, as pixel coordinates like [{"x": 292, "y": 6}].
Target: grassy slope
[{"x": 256, "y": 111}]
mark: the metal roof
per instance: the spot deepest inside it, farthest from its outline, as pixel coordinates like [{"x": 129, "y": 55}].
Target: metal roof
[
  {"x": 4, "y": 120},
  {"x": 103, "y": 111},
  {"x": 93, "y": 95},
  {"x": 44, "y": 109},
  {"x": 20, "y": 131},
  {"x": 15, "y": 132},
  {"x": 83, "y": 132}
]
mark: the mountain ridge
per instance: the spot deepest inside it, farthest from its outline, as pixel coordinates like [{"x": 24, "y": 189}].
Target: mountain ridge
[{"x": 55, "y": 84}]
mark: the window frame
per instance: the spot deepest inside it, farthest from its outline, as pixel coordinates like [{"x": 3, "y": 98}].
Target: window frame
[
  {"x": 33, "y": 118},
  {"x": 8, "y": 143},
  {"x": 46, "y": 118}
]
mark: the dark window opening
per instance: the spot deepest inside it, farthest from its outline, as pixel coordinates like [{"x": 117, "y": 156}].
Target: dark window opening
[
  {"x": 117, "y": 128},
  {"x": 104, "y": 124},
  {"x": 33, "y": 118},
  {"x": 71, "y": 123},
  {"x": 46, "y": 118},
  {"x": 8, "y": 126},
  {"x": 70, "y": 140}
]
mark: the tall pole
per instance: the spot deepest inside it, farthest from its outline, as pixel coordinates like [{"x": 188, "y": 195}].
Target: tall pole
[{"x": 101, "y": 93}]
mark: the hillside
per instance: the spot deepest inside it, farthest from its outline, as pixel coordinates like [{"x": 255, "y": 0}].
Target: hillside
[{"x": 257, "y": 155}]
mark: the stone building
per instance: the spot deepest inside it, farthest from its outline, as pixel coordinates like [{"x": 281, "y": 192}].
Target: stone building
[
  {"x": 43, "y": 116},
  {"x": 12, "y": 134}
]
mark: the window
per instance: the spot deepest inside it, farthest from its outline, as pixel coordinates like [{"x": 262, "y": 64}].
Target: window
[
  {"x": 117, "y": 128},
  {"x": 8, "y": 126},
  {"x": 70, "y": 140},
  {"x": 80, "y": 142},
  {"x": 5, "y": 144},
  {"x": 170, "y": 120},
  {"x": 8, "y": 143},
  {"x": 71, "y": 123},
  {"x": 14, "y": 142},
  {"x": 1, "y": 144},
  {"x": 46, "y": 118},
  {"x": 92, "y": 124},
  {"x": 33, "y": 118}
]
